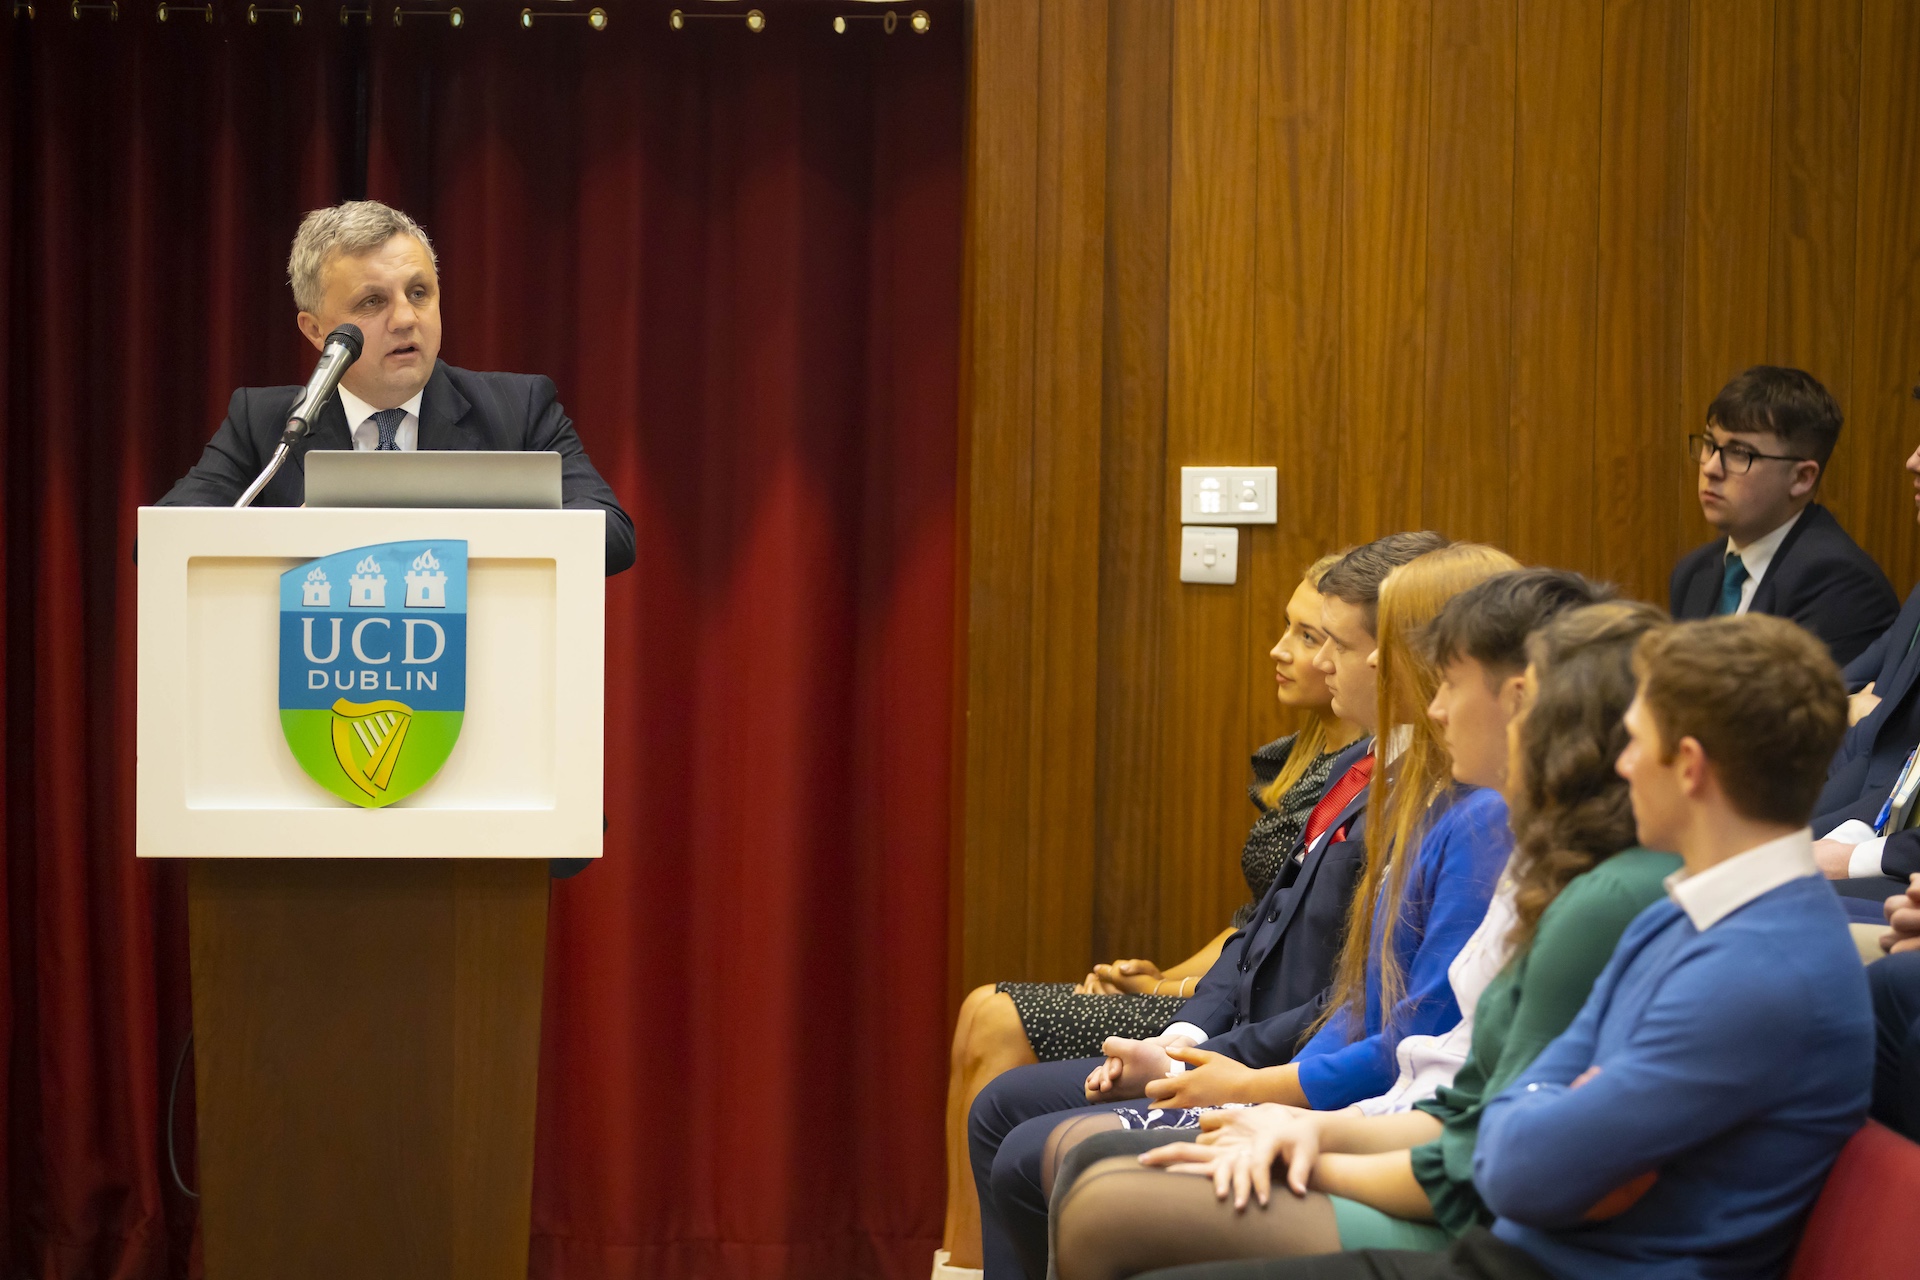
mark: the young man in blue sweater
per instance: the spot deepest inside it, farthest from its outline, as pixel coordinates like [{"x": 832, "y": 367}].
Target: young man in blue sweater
[{"x": 1685, "y": 1122}]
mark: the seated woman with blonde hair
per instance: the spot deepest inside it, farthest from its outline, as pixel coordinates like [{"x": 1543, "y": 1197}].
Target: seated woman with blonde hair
[
  {"x": 1011, "y": 1024},
  {"x": 1404, "y": 1181}
]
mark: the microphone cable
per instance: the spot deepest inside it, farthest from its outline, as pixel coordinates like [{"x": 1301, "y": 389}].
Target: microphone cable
[{"x": 173, "y": 1097}]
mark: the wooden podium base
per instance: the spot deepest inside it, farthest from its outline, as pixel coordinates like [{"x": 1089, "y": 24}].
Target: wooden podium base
[{"x": 366, "y": 1048}]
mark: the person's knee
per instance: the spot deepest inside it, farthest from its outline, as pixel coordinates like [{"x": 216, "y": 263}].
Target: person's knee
[
  {"x": 1895, "y": 983},
  {"x": 997, "y": 1036},
  {"x": 1016, "y": 1177},
  {"x": 963, "y": 1024},
  {"x": 991, "y": 1117},
  {"x": 1092, "y": 1217}
]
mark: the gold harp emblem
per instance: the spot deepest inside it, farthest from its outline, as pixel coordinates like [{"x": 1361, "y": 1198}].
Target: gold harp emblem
[{"x": 367, "y": 737}]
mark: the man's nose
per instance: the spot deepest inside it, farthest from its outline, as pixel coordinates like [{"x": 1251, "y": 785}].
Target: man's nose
[{"x": 404, "y": 315}]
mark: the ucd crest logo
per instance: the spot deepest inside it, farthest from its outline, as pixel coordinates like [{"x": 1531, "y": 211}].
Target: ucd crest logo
[{"x": 373, "y": 666}]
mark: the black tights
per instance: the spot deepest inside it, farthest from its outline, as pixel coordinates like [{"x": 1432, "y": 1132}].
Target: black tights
[{"x": 1113, "y": 1217}]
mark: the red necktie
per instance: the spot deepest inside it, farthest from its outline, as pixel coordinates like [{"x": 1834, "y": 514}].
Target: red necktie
[{"x": 1337, "y": 797}]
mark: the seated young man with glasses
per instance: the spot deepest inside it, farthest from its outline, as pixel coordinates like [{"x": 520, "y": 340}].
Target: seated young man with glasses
[{"x": 1768, "y": 436}]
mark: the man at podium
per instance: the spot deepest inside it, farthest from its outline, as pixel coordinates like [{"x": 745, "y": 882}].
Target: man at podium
[{"x": 369, "y": 265}]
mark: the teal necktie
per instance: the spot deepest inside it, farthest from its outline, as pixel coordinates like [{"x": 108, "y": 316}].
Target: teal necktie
[{"x": 1734, "y": 577}]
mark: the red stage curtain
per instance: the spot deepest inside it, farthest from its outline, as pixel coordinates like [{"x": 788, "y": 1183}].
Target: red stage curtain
[
  {"x": 152, "y": 175},
  {"x": 738, "y": 256}
]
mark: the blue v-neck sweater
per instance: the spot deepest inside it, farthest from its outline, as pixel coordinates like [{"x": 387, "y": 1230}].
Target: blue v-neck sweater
[{"x": 1734, "y": 1064}]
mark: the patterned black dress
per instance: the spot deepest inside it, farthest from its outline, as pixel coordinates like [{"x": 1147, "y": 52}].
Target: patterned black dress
[{"x": 1061, "y": 1023}]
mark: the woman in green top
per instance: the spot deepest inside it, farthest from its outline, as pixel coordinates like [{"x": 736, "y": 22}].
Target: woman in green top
[{"x": 1405, "y": 1180}]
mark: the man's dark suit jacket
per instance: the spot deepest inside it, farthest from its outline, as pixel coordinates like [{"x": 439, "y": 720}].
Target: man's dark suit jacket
[
  {"x": 1260, "y": 997},
  {"x": 1819, "y": 578},
  {"x": 458, "y": 410},
  {"x": 1871, "y": 755}
]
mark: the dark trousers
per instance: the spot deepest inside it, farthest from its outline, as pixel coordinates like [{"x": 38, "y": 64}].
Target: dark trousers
[
  {"x": 1874, "y": 889},
  {"x": 1895, "y": 982},
  {"x": 1006, "y": 1139},
  {"x": 1477, "y": 1255}
]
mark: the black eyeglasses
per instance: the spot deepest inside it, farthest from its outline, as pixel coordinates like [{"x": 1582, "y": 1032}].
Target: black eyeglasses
[{"x": 1735, "y": 457}]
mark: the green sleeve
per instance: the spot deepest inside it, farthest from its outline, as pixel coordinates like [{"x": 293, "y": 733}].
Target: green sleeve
[{"x": 1576, "y": 938}]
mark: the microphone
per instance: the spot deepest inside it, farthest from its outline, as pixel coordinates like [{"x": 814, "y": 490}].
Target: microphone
[{"x": 341, "y": 350}]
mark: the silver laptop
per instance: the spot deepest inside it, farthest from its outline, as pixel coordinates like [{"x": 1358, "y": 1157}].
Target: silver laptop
[{"x": 434, "y": 478}]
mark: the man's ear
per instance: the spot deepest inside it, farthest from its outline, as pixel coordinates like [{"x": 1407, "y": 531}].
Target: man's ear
[
  {"x": 1695, "y": 770},
  {"x": 1806, "y": 477},
  {"x": 310, "y": 329}
]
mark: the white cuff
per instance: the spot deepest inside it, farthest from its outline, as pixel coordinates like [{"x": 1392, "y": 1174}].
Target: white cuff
[
  {"x": 1852, "y": 831},
  {"x": 1188, "y": 1030},
  {"x": 1866, "y": 858}
]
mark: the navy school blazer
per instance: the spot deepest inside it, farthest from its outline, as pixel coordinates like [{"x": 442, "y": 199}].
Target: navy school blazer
[
  {"x": 1871, "y": 755},
  {"x": 1819, "y": 578},
  {"x": 1262, "y": 995}
]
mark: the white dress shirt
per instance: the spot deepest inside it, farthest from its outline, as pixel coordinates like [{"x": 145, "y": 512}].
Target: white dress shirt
[
  {"x": 1757, "y": 555},
  {"x": 366, "y": 435},
  {"x": 1868, "y": 848},
  {"x": 1724, "y": 888}
]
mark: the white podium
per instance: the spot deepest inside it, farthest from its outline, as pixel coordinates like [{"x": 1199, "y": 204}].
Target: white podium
[{"x": 369, "y": 822}]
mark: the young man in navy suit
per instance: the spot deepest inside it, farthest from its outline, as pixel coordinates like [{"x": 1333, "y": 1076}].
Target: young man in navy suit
[
  {"x": 1869, "y": 822},
  {"x": 365, "y": 264},
  {"x": 1765, "y": 447}
]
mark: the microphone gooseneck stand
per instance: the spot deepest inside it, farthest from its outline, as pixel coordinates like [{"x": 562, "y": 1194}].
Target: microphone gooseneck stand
[
  {"x": 341, "y": 350},
  {"x": 273, "y": 468}
]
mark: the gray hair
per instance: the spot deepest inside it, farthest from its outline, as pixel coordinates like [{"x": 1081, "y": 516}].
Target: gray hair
[{"x": 353, "y": 228}]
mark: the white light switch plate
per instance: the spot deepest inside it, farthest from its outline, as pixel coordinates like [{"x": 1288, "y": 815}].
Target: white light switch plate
[
  {"x": 1229, "y": 495},
  {"x": 1209, "y": 555}
]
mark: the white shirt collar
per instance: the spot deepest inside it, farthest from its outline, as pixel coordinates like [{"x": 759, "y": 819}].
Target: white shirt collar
[
  {"x": 1759, "y": 553},
  {"x": 1724, "y": 888},
  {"x": 358, "y": 411},
  {"x": 1399, "y": 738}
]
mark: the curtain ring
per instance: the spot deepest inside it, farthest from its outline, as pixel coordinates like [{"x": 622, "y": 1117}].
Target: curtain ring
[
  {"x": 889, "y": 21},
  {"x": 755, "y": 20},
  {"x": 166, "y": 9},
  {"x": 111, "y": 8},
  {"x": 365, "y": 15},
  {"x": 20, "y": 7},
  {"x": 454, "y": 16},
  {"x": 255, "y": 12},
  {"x": 596, "y": 18}
]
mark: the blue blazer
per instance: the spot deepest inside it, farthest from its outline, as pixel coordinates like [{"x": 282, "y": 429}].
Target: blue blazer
[
  {"x": 1819, "y": 578},
  {"x": 1870, "y": 756},
  {"x": 1263, "y": 993},
  {"x": 459, "y": 410}
]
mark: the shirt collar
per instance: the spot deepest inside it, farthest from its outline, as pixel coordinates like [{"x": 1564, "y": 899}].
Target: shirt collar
[
  {"x": 358, "y": 410},
  {"x": 1398, "y": 739},
  {"x": 1759, "y": 553},
  {"x": 1722, "y": 889}
]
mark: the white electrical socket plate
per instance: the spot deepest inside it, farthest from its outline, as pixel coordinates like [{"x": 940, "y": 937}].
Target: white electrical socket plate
[
  {"x": 1229, "y": 495},
  {"x": 1208, "y": 554}
]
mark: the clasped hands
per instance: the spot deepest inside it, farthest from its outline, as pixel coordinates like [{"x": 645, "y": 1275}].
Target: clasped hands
[
  {"x": 1124, "y": 977},
  {"x": 1140, "y": 1069},
  {"x": 1903, "y": 919}
]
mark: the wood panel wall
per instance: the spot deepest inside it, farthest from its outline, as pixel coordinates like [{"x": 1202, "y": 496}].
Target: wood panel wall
[{"x": 1473, "y": 265}]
